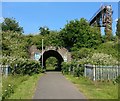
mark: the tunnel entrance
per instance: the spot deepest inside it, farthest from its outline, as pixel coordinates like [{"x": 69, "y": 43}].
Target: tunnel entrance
[{"x": 55, "y": 54}]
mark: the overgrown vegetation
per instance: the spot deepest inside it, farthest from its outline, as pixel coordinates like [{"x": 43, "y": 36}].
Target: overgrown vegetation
[
  {"x": 21, "y": 65},
  {"x": 85, "y": 43},
  {"x": 73, "y": 68},
  {"x": 16, "y": 87}
]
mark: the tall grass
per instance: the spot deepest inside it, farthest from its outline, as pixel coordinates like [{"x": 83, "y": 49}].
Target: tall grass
[
  {"x": 19, "y": 86},
  {"x": 95, "y": 90}
]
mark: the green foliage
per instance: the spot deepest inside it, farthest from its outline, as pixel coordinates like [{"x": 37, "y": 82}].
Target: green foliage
[
  {"x": 99, "y": 59},
  {"x": 95, "y": 90},
  {"x": 30, "y": 83},
  {"x": 78, "y": 71},
  {"x": 78, "y": 33},
  {"x": 73, "y": 68},
  {"x": 29, "y": 67},
  {"x": 118, "y": 28},
  {"x": 65, "y": 67},
  {"x": 82, "y": 53},
  {"x": 53, "y": 39},
  {"x": 21, "y": 65},
  {"x": 8, "y": 91},
  {"x": 118, "y": 79},
  {"x": 16, "y": 86},
  {"x": 108, "y": 35},
  {"x": 51, "y": 63},
  {"x": 10, "y": 83},
  {"x": 110, "y": 48},
  {"x": 10, "y": 24},
  {"x": 14, "y": 44},
  {"x": 44, "y": 30}
]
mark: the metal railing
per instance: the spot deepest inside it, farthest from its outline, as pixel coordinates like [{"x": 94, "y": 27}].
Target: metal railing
[{"x": 99, "y": 72}]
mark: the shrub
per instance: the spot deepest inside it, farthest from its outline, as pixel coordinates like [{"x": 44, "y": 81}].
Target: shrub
[
  {"x": 99, "y": 59},
  {"x": 72, "y": 68},
  {"x": 110, "y": 48},
  {"x": 65, "y": 67},
  {"x": 82, "y": 53},
  {"x": 7, "y": 92},
  {"x": 118, "y": 79},
  {"x": 105, "y": 59},
  {"x": 22, "y": 65}
]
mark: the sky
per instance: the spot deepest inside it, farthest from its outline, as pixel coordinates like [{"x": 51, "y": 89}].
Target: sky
[{"x": 33, "y": 15}]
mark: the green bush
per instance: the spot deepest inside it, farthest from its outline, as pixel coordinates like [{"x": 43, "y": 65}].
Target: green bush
[
  {"x": 22, "y": 65},
  {"x": 7, "y": 92},
  {"x": 118, "y": 79},
  {"x": 110, "y": 48},
  {"x": 99, "y": 59},
  {"x": 27, "y": 67},
  {"x": 76, "y": 72},
  {"x": 82, "y": 53},
  {"x": 79, "y": 71},
  {"x": 72, "y": 68},
  {"x": 65, "y": 67}
]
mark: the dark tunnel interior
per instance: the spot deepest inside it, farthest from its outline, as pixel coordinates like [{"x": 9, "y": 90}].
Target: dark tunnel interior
[{"x": 52, "y": 53}]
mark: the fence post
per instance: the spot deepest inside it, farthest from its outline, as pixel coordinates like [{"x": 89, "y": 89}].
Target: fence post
[
  {"x": 101, "y": 73},
  {"x": 112, "y": 71},
  {"x": 117, "y": 70},
  {"x": 93, "y": 72},
  {"x": 69, "y": 70},
  {"x": 108, "y": 73},
  {"x": 6, "y": 70},
  {"x": 85, "y": 70}
]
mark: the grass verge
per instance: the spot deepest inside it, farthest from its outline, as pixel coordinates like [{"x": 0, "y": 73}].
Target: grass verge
[
  {"x": 20, "y": 87},
  {"x": 95, "y": 90}
]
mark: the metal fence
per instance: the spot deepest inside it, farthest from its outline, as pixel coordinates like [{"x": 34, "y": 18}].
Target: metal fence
[
  {"x": 95, "y": 72},
  {"x": 5, "y": 69}
]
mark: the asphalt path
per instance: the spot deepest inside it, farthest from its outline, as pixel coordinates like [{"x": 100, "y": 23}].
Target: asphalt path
[{"x": 53, "y": 85}]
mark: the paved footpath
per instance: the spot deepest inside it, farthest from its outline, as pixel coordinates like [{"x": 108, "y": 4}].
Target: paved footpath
[{"x": 53, "y": 85}]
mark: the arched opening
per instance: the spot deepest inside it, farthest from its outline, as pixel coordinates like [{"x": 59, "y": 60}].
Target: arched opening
[{"x": 52, "y": 53}]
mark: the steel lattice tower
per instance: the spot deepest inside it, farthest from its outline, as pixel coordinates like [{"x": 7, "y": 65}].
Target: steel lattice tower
[{"x": 103, "y": 18}]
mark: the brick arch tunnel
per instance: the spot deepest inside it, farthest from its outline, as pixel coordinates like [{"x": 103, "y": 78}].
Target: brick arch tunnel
[{"x": 52, "y": 53}]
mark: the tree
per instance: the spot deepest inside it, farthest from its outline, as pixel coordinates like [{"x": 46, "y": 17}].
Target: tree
[
  {"x": 44, "y": 30},
  {"x": 78, "y": 33},
  {"x": 11, "y": 25},
  {"x": 118, "y": 27},
  {"x": 53, "y": 38}
]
